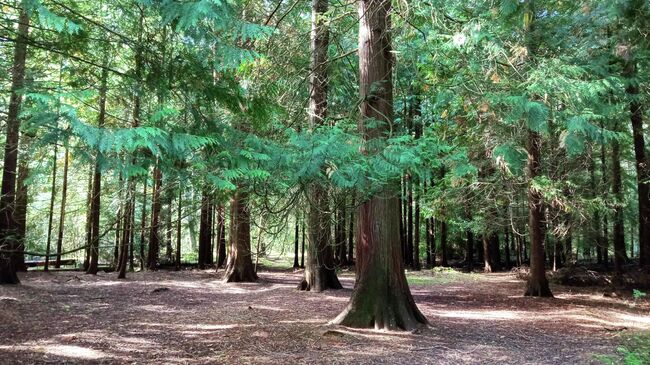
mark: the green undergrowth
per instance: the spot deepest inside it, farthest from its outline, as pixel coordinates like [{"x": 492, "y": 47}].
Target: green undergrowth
[
  {"x": 276, "y": 262},
  {"x": 634, "y": 350},
  {"x": 439, "y": 276}
]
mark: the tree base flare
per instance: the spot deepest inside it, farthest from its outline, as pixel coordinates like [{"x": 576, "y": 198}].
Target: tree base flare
[
  {"x": 233, "y": 275},
  {"x": 318, "y": 283},
  {"x": 382, "y": 316},
  {"x": 538, "y": 289}
]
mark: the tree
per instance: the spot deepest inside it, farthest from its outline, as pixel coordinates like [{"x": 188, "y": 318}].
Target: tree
[
  {"x": 8, "y": 228},
  {"x": 381, "y": 298},
  {"x": 240, "y": 264},
  {"x": 320, "y": 273},
  {"x": 64, "y": 195}
]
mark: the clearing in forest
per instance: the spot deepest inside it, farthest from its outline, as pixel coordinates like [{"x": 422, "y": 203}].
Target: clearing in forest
[{"x": 192, "y": 317}]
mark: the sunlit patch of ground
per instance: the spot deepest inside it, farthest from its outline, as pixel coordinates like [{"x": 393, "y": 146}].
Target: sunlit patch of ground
[{"x": 192, "y": 317}]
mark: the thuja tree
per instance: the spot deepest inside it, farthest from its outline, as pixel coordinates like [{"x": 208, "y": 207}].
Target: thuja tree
[{"x": 381, "y": 298}]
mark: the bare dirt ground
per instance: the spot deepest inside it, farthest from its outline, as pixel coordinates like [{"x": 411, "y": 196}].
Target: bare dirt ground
[{"x": 191, "y": 317}]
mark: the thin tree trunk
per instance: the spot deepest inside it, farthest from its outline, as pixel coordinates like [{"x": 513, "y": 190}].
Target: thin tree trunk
[
  {"x": 605, "y": 246},
  {"x": 143, "y": 224},
  {"x": 97, "y": 184},
  {"x": 89, "y": 220},
  {"x": 408, "y": 259},
  {"x": 296, "y": 244},
  {"x": 416, "y": 236},
  {"x": 204, "y": 231},
  {"x": 620, "y": 255},
  {"x": 50, "y": 219},
  {"x": 443, "y": 244},
  {"x": 351, "y": 232},
  {"x": 381, "y": 297},
  {"x": 21, "y": 209},
  {"x": 302, "y": 246},
  {"x": 221, "y": 219},
  {"x": 154, "y": 234},
  {"x": 64, "y": 195}
]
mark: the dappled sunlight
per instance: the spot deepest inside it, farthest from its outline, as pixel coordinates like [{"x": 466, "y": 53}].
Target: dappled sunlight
[
  {"x": 488, "y": 315},
  {"x": 71, "y": 351}
]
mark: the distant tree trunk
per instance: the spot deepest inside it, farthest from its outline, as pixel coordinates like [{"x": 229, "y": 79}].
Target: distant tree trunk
[
  {"x": 50, "y": 219},
  {"x": 143, "y": 224},
  {"x": 320, "y": 273},
  {"x": 381, "y": 297},
  {"x": 351, "y": 233},
  {"x": 605, "y": 246},
  {"x": 416, "y": 236},
  {"x": 432, "y": 242},
  {"x": 179, "y": 217},
  {"x": 507, "y": 249},
  {"x": 296, "y": 244},
  {"x": 154, "y": 238},
  {"x": 408, "y": 259},
  {"x": 168, "y": 233},
  {"x": 240, "y": 264},
  {"x": 221, "y": 219},
  {"x": 487, "y": 257},
  {"x": 126, "y": 233},
  {"x": 89, "y": 220},
  {"x": 204, "y": 231},
  {"x": 620, "y": 255},
  {"x": 469, "y": 249},
  {"x": 642, "y": 166},
  {"x": 64, "y": 195},
  {"x": 341, "y": 237},
  {"x": 21, "y": 211},
  {"x": 402, "y": 219},
  {"x": 302, "y": 246},
  {"x": 97, "y": 182},
  {"x": 443, "y": 244},
  {"x": 537, "y": 285}
]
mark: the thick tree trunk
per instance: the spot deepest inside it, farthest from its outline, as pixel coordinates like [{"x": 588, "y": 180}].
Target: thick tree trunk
[
  {"x": 64, "y": 196},
  {"x": 537, "y": 284},
  {"x": 240, "y": 264},
  {"x": 381, "y": 298},
  {"x": 320, "y": 273},
  {"x": 8, "y": 227},
  {"x": 97, "y": 182},
  {"x": 620, "y": 255},
  {"x": 154, "y": 234},
  {"x": 21, "y": 210}
]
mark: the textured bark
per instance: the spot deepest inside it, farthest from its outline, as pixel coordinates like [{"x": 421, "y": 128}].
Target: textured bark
[
  {"x": 154, "y": 230},
  {"x": 537, "y": 284},
  {"x": 97, "y": 183},
  {"x": 240, "y": 264},
  {"x": 64, "y": 196},
  {"x": 381, "y": 297},
  {"x": 20, "y": 211},
  {"x": 8, "y": 227},
  {"x": 320, "y": 273}
]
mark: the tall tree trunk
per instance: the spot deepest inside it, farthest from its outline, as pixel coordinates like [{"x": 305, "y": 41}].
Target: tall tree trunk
[
  {"x": 416, "y": 235},
  {"x": 21, "y": 209},
  {"x": 296, "y": 246},
  {"x": 320, "y": 273},
  {"x": 605, "y": 246},
  {"x": 221, "y": 219},
  {"x": 179, "y": 217},
  {"x": 469, "y": 249},
  {"x": 537, "y": 284},
  {"x": 126, "y": 233},
  {"x": 64, "y": 195},
  {"x": 351, "y": 232},
  {"x": 204, "y": 231},
  {"x": 143, "y": 224},
  {"x": 381, "y": 297},
  {"x": 642, "y": 166},
  {"x": 240, "y": 264},
  {"x": 302, "y": 245},
  {"x": 408, "y": 259},
  {"x": 50, "y": 219},
  {"x": 97, "y": 182},
  {"x": 620, "y": 255},
  {"x": 89, "y": 219},
  {"x": 507, "y": 249},
  {"x": 154, "y": 230},
  {"x": 8, "y": 227}
]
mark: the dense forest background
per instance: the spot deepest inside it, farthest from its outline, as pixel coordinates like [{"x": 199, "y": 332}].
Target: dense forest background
[{"x": 142, "y": 134}]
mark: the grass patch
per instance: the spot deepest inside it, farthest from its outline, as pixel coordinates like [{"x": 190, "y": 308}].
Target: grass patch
[
  {"x": 439, "y": 276},
  {"x": 276, "y": 262},
  {"x": 635, "y": 350}
]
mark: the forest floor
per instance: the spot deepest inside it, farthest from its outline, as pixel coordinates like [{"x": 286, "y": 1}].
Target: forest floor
[{"x": 192, "y": 317}]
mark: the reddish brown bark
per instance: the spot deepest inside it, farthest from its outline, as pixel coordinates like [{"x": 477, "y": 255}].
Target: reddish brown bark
[
  {"x": 240, "y": 264},
  {"x": 64, "y": 196},
  {"x": 381, "y": 298},
  {"x": 154, "y": 234}
]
